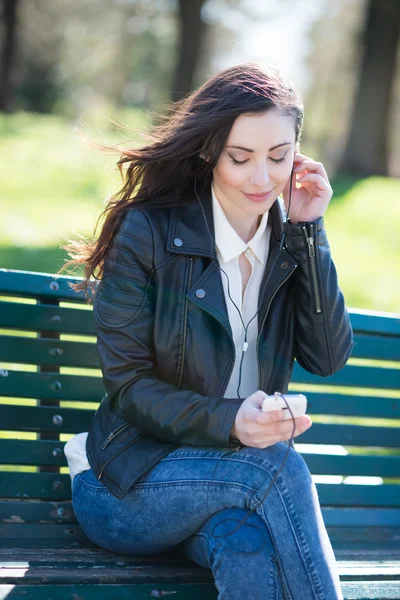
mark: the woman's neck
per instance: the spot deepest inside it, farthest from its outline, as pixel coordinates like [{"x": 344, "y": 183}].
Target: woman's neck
[{"x": 244, "y": 224}]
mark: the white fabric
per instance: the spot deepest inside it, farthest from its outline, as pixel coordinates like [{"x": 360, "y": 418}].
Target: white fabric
[{"x": 229, "y": 247}]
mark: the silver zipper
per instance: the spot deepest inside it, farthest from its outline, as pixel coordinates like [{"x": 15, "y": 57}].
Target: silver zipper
[
  {"x": 262, "y": 325},
  {"x": 310, "y": 239},
  {"x": 114, "y": 434},
  {"x": 119, "y": 452},
  {"x": 185, "y": 321}
]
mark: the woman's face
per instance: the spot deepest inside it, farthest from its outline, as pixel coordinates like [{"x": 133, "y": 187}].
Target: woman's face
[{"x": 256, "y": 162}]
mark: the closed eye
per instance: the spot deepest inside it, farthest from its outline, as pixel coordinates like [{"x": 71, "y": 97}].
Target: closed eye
[{"x": 242, "y": 162}]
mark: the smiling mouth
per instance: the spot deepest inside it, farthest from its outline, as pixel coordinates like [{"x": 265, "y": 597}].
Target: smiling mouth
[{"x": 258, "y": 195}]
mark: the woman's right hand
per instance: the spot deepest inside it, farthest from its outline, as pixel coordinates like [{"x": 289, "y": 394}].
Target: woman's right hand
[{"x": 259, "y": 429}]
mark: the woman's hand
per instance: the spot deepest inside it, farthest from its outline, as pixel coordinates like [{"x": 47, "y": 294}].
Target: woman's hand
[
  {"x": 259, "y": 429},
  {"x": 311, "y": 190}
]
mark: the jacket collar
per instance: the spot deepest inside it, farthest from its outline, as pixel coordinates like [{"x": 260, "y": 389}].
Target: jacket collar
[{"x": 188, "y": 234}]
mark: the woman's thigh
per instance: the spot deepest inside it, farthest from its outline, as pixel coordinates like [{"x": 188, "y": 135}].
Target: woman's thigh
[{"x": 180, "y": 493}]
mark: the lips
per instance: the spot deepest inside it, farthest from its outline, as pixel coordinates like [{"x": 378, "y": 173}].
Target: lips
[{"x": 258, "y": 197}]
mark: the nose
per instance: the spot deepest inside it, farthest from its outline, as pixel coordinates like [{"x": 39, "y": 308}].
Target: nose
[{"x": 260, "y": 176}]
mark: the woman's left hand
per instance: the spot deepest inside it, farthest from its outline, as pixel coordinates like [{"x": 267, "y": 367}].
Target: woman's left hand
[{"x": 310, "y": 200}]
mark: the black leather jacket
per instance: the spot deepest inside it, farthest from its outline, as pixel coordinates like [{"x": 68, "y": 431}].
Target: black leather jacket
[{"x": 165, "y": 343}]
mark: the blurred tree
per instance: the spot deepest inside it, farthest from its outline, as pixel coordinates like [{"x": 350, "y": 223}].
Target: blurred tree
[
  {"x": 8, "y": 50},
  {"x": 192, "y": 29},
  {"x": 366, "y": 151}
]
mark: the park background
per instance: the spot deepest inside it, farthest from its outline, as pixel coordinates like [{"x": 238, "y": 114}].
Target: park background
[{"x": 76, "y": 74}]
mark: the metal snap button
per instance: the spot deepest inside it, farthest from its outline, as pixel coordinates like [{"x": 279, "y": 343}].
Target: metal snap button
[
  {"x": 200, "y": 293},
  {"x": 178, "y": 242},
  {"x": 284, "y": 265}
]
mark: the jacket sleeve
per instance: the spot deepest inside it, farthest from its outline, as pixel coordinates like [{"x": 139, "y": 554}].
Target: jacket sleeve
[
  {"x": 323, "y": 333},
  {"x": 124, "y": 313}
]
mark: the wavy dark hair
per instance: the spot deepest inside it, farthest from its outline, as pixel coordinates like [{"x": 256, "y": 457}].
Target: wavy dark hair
[{"x": 162, "y": 172}]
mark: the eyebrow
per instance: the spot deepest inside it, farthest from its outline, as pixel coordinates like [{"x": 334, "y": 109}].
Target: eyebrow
[{"x": 270, "y": 150}]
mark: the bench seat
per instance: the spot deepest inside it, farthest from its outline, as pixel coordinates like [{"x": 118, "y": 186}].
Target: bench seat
[{"x": 50, "y": 386}]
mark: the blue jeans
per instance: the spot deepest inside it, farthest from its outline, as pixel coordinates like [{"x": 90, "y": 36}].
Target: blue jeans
[{"x": 282, "y": 551}]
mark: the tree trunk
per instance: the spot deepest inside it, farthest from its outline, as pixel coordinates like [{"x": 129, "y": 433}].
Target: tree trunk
[
  {"x": 191, "y": 35},
  {"x": 9, "y": 18},
  {"x": 366, "y": 151}
]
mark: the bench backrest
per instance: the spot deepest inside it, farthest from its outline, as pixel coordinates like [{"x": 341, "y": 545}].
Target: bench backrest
[{"x": 50, "y": 385}]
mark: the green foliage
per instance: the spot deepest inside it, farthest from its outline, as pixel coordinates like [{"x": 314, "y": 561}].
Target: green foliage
[{"x": 56, "y": 187}]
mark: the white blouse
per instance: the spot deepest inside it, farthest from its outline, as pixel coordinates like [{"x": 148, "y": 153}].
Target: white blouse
[{"x": 229, "y": 247}]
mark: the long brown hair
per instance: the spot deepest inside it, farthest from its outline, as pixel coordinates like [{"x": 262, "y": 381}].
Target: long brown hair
[{"x": 162, "y": 172}]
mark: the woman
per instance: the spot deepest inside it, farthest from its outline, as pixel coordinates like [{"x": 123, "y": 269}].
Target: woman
[{"x": 207, "y": 295}]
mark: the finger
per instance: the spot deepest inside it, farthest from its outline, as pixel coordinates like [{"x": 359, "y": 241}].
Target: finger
[
  {"x": 313, "y": 166},
  {"x": 313, "y": 177},
  {"x": 278, "y": 431},
  {"x": 270, "y": 416}
]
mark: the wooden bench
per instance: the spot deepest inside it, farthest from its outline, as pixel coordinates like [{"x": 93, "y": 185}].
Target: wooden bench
[{"x": 50, "y": 385}]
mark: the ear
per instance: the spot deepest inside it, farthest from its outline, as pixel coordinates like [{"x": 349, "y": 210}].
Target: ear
[{"x": 204, "y": 157}]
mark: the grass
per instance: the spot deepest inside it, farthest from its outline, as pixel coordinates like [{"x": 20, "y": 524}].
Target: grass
[{"x": 57, "y": 186}]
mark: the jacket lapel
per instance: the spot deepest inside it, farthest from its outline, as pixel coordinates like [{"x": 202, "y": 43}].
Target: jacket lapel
[{"x": 188, "y": 235}]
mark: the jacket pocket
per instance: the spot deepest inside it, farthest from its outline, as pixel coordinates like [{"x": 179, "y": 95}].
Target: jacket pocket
[{"x": 130, "y": 443}]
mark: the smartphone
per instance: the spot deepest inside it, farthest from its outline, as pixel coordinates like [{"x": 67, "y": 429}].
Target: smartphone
[{"x": 297, "y": 403}]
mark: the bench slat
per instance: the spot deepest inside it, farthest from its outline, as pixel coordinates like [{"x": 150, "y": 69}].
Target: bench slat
[
  {"x": 44, "y": 418},
  {"x": 74, "y": 420},
  {"x": 346, "y": 405},
  {"x": 36, "y": 317},
  {"x": 32, "y": 452},
  {"x": 25, "y": 384},
  {"x": 36, "y": 511},
  {"x": 43, "y": 317},
  {"x": 49, "y": 386},
  {"x": 376, "y": 347},
  {"x": 27, "y": 284},
  {"x": 351, "y": 375},
  {"x": 387, "y": 590},
  {"x": 38, "y": 453},
  {"x": 369, "y": 321},
  {"x": 44, "y": 511},
  {"x": 76, "y": 354},
  {"x": 56, "y": 486},
  {"x": 42, "y": 351}
]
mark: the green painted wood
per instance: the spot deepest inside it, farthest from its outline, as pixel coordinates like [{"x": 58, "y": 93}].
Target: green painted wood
[
  {"x": 26, "y": 531},
  {"x": 350, "y": 435},
  {"x": 383, "y": 466},
  {"x": 55, "y": 486},
  {"x": 388, "y": 590},
  {"x": 32, "y": 452},
  {"x": 43, "y": 317},
  {"x": 365, "y": 377},
  {"x": 352, "y": 406},
  {"x": 22, "y": 384},
  {"x": 42, "y": 351},
  {"x": 34, "y": 511},
  {"x": 369, "y": 321},
  {"x": 44, "y": 418},
  {"x": 183, "y": 591},
  {"x": 49, "y": 386},
  {"x": 361, "y": 517},
  {"x": 359, "y": 495},
  {"x": 376, "y": 347},
  {"x": 39, "y": 285},
  {"x": 51, "y": 486}
]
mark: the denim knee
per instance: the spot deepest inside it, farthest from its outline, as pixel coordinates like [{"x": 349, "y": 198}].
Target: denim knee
[{"x": 225, "y": 528}]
